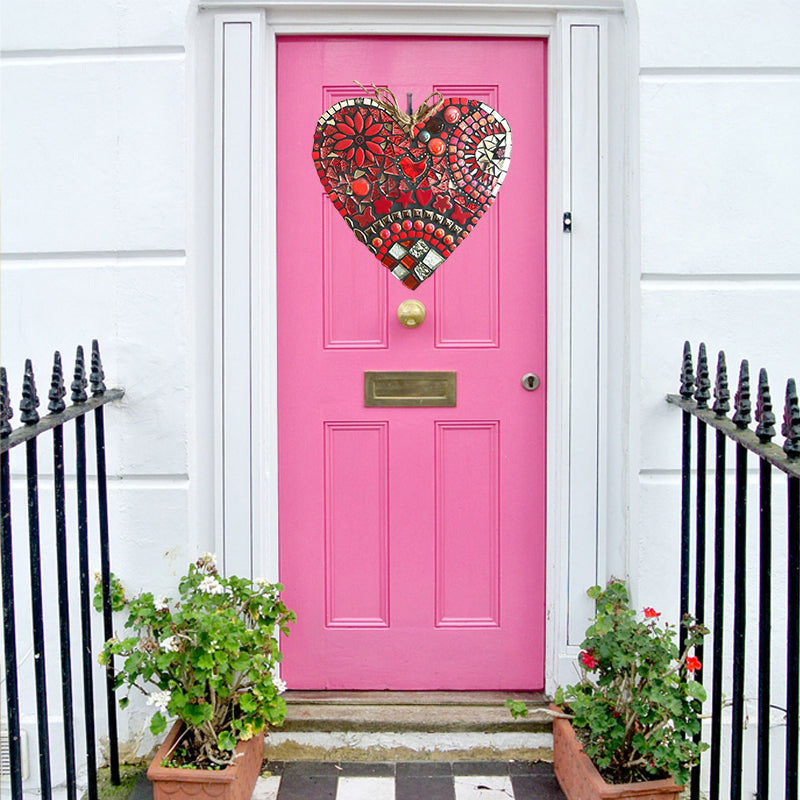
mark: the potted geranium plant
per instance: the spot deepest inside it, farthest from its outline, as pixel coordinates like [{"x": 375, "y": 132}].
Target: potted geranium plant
[
  {"x": 628, "y": 727},
  {"x": 209, "y": 659}
]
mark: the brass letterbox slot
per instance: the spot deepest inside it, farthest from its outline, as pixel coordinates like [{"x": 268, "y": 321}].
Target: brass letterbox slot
[{"x": 409, "y": 389}]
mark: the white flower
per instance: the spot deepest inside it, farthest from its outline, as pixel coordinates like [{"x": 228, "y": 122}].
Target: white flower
[
  {"x": 207, "y": 561},
  {"x": 161, "y": 603},
  {"x": 280, "y": 685},
  {"x": 160, "y": 700},
  {"x": 211, "y": 585},
  {"x": 262, "y": 583},
  {"x": 171, "y": 644}
]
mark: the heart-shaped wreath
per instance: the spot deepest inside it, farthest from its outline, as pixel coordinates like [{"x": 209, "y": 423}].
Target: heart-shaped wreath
[{"x": 411, "y": 186}]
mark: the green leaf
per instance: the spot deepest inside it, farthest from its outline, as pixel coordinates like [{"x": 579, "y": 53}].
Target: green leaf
[
  {"x": 203, "y": 659},
  {"x": 517, "y": 707},
  {"x": 247, "y": 703},
  {"x": 226, "y": 741},
  {"x": 158, "y": 724},
  {"x": 696, "y": 690}
]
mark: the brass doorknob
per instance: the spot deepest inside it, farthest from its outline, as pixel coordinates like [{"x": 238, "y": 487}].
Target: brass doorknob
[{"x": 411, "y": 313}]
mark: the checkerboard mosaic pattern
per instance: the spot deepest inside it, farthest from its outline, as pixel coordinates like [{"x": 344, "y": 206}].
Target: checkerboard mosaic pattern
[
  {"x": 419, "y": 780},
  {"x": 415, "y": 780},
  {"x": 412, "y": 196}
]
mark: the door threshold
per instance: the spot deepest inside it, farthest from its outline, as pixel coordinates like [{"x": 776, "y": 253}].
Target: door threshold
[{"x": 412, "y": 698}]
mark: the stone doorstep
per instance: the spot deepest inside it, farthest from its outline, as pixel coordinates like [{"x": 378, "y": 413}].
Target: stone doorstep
[
  {"x": 408, "y": 726},
  {"x": 413, "y": 711}
]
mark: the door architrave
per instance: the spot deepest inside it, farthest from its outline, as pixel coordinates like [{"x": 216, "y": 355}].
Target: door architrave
[{"x": 590, "y": 441}]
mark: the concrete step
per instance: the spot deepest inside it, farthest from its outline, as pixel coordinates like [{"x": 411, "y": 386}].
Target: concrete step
[{"x": 402, "y": 726}]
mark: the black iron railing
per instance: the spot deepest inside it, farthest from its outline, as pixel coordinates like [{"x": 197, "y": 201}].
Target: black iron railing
[
  {"x": 29, "y": 434},
  {"x": 693, "y": 399}
]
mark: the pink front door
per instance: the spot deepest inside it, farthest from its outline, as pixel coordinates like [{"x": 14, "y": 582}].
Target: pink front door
[{"x": 412, "y": 539}]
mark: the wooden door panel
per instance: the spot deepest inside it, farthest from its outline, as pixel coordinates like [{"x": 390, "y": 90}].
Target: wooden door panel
[{"x": 412, "y": 539}]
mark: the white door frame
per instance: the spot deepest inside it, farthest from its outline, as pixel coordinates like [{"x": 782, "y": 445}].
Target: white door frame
[{"x": 592, "y": 281}]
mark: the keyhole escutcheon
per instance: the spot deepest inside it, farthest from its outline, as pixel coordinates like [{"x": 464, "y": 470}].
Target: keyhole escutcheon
[{"x": 530, "y": 381}]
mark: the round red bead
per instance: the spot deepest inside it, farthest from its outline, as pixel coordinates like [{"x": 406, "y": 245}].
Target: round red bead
[
  {"x": 360, "y": 186},
  {"x": 406, "y": 224},
  {"x": 419, "y": 224},
  {"x": 429, "y": 227},
  {"x": 436, "y": 147},
  {"x": 451, "y": 114}
]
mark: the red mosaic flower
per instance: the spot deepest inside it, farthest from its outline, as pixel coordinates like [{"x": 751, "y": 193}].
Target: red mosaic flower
[
  {"x": 442, "y": 203},
  {"x": 357, "y": 137},
  {"x": 650, "y": 613}
]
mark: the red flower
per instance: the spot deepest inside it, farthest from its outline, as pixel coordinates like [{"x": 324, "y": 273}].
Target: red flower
[
  {"x": 588, "y": 660},
  {"x": 357, "y": 135},
  {"x": 442, "y": 203},
  {"x": 649, "y": 613},
  {"x": 693, "y": 663}
]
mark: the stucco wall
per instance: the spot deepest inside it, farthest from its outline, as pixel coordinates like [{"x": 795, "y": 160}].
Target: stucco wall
[
  {"x": 720, "y": 103},
  {"x": 94, "y": 231},
  {"x": 94, "y": 239}
]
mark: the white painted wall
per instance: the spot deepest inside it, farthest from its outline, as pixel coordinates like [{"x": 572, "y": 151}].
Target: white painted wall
[
  {"x": 93, "y": 240},
  {"x": 719, "y": 171},
  {"x": 97, "y": 165}
]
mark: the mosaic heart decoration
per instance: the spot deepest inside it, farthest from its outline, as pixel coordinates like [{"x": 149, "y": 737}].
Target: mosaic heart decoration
[{"x": 412, "y": 192}]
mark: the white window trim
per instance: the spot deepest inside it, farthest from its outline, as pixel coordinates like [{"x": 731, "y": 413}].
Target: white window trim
[{"x": 242, "y": 260}]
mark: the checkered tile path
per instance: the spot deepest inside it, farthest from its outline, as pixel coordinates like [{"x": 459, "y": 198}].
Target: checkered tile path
[{"x": 419, "y": 780}]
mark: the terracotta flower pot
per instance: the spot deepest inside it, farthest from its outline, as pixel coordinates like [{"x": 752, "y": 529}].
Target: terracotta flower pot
[
  {"x": 580, "y": 780},
  {"x": 232, "y": 783}
]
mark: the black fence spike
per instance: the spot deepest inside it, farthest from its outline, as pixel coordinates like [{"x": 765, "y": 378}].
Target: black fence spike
[
  {"x": 765, "y": 430},
  {"x": 687, "y": 373},
  {"x": 97, "y": 375},
  {"x": 30, "y": 400},
  {"x": 702, "y": 393},
  {"x": 741, "y": 402},
  {"x": 57, "y": 388},
  {"x": 791, "y": 422},
  {"x": 79, "y": 381},
  {"x": 6, "y": 410},
  {"x": 722, "y": 394}
]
